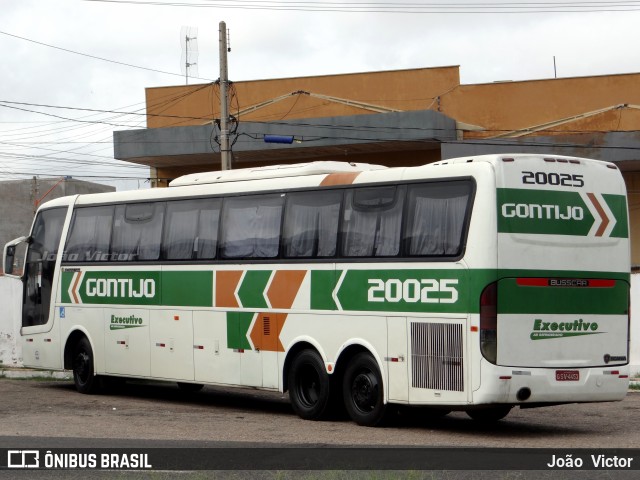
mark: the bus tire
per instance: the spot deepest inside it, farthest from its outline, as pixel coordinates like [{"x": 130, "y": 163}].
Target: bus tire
[
  {"x": 490, "y": 415},
  {"x": 309, "y": 386},
  {"x": 362, "y": 391},
  {"x": 83, "y": 368}
]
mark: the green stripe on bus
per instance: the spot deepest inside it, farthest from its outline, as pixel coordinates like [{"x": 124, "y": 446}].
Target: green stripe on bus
[
  {"x": 406, "y": 290},
  {"x": 455, "y": 290},
  {"x": 618, "y": 206},
  {"x": 238, "y": 324},
  {"x": 183, "y": 288},
  {"x": 251, "y": 292},
  {"x": 513, "y": 298},
  {"x": 112, "y": 288},
  {"x": 323, "y": 283},
  {"x": 552, "y": 212},
  {"x": 187, "y": 289},
  {"x": 546, "y": 212},
  {"x": 65, "y": 282}
]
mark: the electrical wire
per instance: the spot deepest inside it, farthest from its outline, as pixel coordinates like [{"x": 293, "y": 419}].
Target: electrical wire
[
  {"x": 19, "y": 142},
  {"x": 399, "y": 7},
  {"x": 94, "y": 56}
]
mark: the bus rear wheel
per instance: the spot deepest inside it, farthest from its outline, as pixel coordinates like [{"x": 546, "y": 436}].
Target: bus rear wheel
[
  {"x": 363, "y": 391},
  {"x": 309, "y": 386},
  {"x": 83, "y": 370}
]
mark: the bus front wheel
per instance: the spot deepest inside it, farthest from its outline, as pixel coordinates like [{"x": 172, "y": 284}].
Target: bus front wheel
[
  {"x": 309, "y": 386},
  {"x": 83, "y": 370},
  {"x": 362, "y": 391}
]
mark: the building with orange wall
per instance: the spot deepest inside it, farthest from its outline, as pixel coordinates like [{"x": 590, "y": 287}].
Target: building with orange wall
[{"x": 394, "y": 118}]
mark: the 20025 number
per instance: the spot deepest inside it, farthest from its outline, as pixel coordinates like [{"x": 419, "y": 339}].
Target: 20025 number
[
  {"x": 412, "y": 291},
  {"x": 544, "y": 178}
]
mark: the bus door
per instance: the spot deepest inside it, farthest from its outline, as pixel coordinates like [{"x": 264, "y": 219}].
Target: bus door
[
  {"x": 39, "y": 266},
  {"x": 38, "y": 290}
]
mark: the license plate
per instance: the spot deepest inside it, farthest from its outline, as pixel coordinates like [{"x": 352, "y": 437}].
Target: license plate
[{"x": 567, "y": 375}]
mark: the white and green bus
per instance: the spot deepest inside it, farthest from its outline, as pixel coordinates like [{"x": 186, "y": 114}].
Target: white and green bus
[{"x": 474, "y": 284}]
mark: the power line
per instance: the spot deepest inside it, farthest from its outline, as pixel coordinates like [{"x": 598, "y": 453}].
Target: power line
[
  {"x": 76, "y": 175},
  {"x": 400, "y": 7},
  {"x": 164, "y": 101},
  {"x": 11, "y": 104},
  {"x": 280, "y": 123},
  {"x": 94, "y": 56}
]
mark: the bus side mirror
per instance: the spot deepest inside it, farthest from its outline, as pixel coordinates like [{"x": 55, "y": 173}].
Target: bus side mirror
[{"x": 9, "y": 254}]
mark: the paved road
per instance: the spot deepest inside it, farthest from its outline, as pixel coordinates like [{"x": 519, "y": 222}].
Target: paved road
[
  {"x": 53, "y": 409},
  {"x": 51, "y": 414}
]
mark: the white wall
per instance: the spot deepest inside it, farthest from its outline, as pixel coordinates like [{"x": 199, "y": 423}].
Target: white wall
[{"x": 10, "y": 305}]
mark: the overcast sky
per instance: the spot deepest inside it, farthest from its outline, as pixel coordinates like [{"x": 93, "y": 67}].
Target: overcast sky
[{"x": 269, "y": 39}]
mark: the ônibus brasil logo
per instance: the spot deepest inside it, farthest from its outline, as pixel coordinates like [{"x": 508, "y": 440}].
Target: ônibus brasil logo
[{"x": 545, "y": 330}]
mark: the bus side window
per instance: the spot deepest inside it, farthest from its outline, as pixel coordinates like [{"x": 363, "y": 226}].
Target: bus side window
[
  {"x": 311, "y": 224},
  {"x": 372, "y": 221},
  {"x": 90, "y": 234},
  {"x": 137, "y": 232},
  {"x": 437, "y": 213},
  {"x": 251, "y": 226},
  {"x": 191, "y": 229}
]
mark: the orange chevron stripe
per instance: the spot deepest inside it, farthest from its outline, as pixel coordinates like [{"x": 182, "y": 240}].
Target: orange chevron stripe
[
  {"x": 265, "y": 334},
  {"x": 226, "y": 285},
  {"x": 74, "y": 290},
  {"x": 284, "y": 287},
  {"x": 346, "y": 178},
  {"x": 605, "y": 220}
]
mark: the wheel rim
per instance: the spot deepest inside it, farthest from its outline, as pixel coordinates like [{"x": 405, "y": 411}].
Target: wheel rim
[
  {"x": 364, "y": 391},
  {"x": 82, "y": 366},
  {"x": 308, "y": 386}
]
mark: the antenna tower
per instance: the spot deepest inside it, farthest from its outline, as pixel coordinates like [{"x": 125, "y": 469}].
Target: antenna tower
[{"x": 189, "y": 57}]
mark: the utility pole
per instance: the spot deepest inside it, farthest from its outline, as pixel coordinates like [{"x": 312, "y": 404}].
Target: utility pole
[
  {"x": 34, "y": 193},
  {"x": 225, "y": 149}
]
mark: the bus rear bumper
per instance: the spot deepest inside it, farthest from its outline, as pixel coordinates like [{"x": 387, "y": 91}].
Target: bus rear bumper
[{"x": 522, "y": 386}]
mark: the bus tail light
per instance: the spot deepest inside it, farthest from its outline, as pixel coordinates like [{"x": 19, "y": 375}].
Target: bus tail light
[{"x": 489, "y": 322}]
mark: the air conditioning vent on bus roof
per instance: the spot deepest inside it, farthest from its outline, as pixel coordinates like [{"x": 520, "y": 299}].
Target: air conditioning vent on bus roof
[{"x": 273, "y": 171}]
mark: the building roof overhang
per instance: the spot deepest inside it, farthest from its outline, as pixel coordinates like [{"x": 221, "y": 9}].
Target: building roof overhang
[{"x": 312, "y": 138}]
